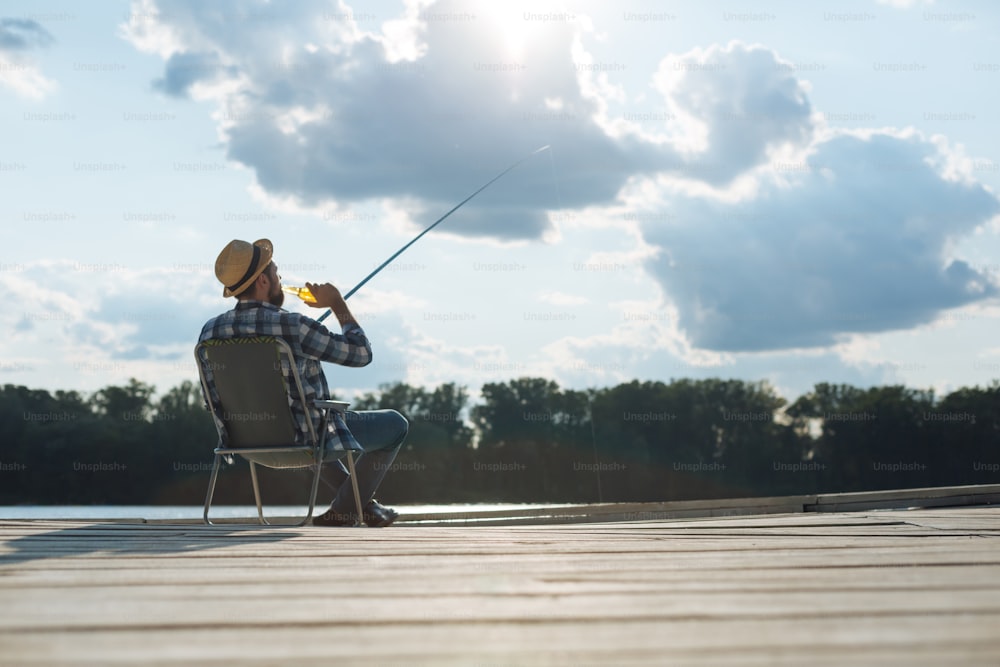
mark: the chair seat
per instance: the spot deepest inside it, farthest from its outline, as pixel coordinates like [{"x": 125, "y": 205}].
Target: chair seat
[
  {"x": 290, "y": 457},
  {"x": 296, "y": 456}
]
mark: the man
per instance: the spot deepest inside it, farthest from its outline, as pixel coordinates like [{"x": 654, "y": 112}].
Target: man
[{"x": 247, "y": 272}]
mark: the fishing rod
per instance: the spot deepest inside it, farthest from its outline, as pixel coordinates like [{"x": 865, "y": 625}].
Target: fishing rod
[{"x": 436, "y": 223}]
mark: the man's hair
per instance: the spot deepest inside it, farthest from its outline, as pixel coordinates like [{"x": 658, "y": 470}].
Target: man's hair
[{"x": 246, "y": 291}]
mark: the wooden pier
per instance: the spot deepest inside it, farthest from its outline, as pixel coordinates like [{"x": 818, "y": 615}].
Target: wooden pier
[{"x": 903, "y": 587}]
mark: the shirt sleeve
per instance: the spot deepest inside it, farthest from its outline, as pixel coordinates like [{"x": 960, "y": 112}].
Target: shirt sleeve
[{"x": 350, "y": 348}]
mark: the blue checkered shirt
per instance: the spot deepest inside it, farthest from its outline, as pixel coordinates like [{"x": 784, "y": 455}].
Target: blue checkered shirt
[{"x": 311, "y": 343}]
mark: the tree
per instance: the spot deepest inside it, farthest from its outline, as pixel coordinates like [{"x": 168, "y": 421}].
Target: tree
[
  {"x": 130, "y": 403},
  {"x": 528, "y": 440},
  {"x": 431, "y": 465},
  {"x": 867, "y": 437},
  {"x": 179, "y": 451},
  {"x": 965, "y": 444},
  {"x": 534, "y": 440}
]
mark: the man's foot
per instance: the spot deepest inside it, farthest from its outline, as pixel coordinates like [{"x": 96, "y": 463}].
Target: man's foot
[
  {"x": 332, "y": 518},
  {"x": 378, "y": 515}
]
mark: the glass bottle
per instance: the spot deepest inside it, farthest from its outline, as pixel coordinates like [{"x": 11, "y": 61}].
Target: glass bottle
[{"x": 301, "y": 292}]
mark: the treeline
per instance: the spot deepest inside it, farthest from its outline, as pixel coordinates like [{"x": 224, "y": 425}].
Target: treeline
[{"x": 527, "y": 440}]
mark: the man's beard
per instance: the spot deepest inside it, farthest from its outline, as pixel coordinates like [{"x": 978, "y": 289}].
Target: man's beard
[{"x": 276, "y": 297}]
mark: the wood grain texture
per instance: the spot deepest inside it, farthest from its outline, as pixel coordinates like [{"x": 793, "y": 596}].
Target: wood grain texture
[{"x": 916, "y": 587}]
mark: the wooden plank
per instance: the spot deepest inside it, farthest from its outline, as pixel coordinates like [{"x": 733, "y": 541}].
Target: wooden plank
[
  {"x": 908, "y": 641},
  {"x": 648, "y": 511},
  {"x": 949, "y": 496},
  {"x": 590, "y": 573},
  {"x": 883, "y": 587},
  {"x": 982, "y": 494}
]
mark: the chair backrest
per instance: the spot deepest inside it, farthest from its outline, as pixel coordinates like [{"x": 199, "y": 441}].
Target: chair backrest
[{"x": 253, "y": 393}]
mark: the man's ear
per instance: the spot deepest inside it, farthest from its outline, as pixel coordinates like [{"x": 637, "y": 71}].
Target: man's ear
[{"x": 258, "y": 287}]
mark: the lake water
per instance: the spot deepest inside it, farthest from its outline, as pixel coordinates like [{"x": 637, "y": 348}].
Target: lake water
[{"x": 167, "y": 512}]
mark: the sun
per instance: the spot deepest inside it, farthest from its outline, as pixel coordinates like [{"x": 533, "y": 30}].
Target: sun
[{"x": 513, "y": 23}]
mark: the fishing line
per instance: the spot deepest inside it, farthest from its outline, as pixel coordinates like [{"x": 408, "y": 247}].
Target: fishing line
[
  {"x": 555, "y": 178},
  {"x": 435, "y": 224}
]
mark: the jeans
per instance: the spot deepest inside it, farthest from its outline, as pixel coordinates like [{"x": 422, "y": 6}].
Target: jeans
[{"x": 381, "y": 434}]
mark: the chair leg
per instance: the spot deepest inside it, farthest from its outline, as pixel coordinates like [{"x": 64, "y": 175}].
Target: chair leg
[
  {"x": 312, "y": 496},
  {"x": 256, "y": 494},
  {"x": 354, "y": 485},
  {"x": 211, "y": 488}
]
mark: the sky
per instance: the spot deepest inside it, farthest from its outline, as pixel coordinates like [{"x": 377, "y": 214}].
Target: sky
[{"x": 784, "y": 192}]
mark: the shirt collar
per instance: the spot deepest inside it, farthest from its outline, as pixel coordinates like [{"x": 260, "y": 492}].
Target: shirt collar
[{"x": 250, "y": 303}]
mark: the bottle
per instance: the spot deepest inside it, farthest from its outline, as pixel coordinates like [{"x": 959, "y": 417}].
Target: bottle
[{"x": 301, "y": 292}]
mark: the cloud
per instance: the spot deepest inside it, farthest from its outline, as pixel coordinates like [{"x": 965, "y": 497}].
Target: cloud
[
  {"x": 184, "y": 70},
  {"x": 439, "y": 104},
  {"x": 855, "y": 238},
  {"x": 765, "y": 230},
  {"x": 17, "y": 72},
  {"x": 740, "y": 102},
  {"x": 93, "y": 324},
  {"x": 22, "y": 35}
]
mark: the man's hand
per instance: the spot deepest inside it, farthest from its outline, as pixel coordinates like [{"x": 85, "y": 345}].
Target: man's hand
[{"x": 328, "y": 296}]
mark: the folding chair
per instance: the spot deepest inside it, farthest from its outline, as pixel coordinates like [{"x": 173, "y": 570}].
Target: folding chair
[{"x": 254, "y": 418}]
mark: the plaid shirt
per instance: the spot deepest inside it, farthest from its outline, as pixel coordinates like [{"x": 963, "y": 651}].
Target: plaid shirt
[{"x": 311, "y": 343}]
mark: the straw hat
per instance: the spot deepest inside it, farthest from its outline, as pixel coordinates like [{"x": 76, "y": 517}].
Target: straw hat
[{"x": 239, "y": 264}]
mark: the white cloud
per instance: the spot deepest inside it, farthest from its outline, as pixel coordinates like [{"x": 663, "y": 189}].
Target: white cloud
[
  {"x": 100, "y": 324},
  {"x": 18, "y": 72},
  {"x": 857, "y": 243},
  {"x": 764, "y": 229},
  {"x": 734, "y": 104},
  {"x": 459, "y": 106},
  {"x": 24, "y": 79}
]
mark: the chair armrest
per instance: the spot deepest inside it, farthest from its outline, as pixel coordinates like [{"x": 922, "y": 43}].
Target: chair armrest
[{"x": 337, "y": 406}]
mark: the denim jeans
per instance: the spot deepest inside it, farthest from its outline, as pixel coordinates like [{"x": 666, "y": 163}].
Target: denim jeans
[{"x": 381, "y": 434}]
